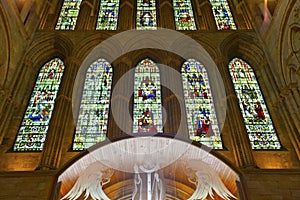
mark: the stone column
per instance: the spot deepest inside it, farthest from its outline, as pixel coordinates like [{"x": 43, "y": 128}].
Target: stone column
[
  {"x": 241, "y": 146},
  {"x": 206, "y": 19},
  {"x": 166, "y": 14},
  {"x": 126, "y": 15},
  {"x": 51, "y": 14},
  {"x": 241, "y": 16},
  {"x": 87, "y": 17},
  {"x": 62, "y": 118}
]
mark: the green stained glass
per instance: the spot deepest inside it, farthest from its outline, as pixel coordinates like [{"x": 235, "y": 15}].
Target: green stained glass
[
  {"x": 201, "y": 116},
  {"x": 255, "y": 113},
  {"x": 68, "y": 15},
  {"x": 184, "y": 17},
  {"x": 223, "y": 16},
  {"x": 146, "y": 15},
  {"x": 91, "y": 126},
  {"x": 147, "y": 110},
  {"x": 108, "y": 15},
  {"x": 35, "y": 124}
]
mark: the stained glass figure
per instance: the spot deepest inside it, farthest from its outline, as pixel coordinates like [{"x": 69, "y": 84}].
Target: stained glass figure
[
  {"x": 91, "y": 126},
  {"x": 147, "y": 110},
  {"x": 223, "y": 16},
  {"x": 35, "y": 124},
  {"x": 68, "y": 15},
  {"x": 108, "y": 15},
  {"x": 146, "y": 15},
  {"x": 184, "y": 17},
  {"x": 201, "y": 116},
  {"x": 255, "y": 113}
]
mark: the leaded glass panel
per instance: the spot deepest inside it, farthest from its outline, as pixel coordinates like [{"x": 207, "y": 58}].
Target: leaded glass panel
[
  {"x": 184, "y": 16},
  {"x": 223, "y": 16},
  {"x": 201, "y": 116},
  {"x": 68, "y": 15},
  {"x": 258, "y": 122},
  {"x": 147, "y": 110},
  {"x": 146, "y": 15},
  {"x": 91, "y": 126},
  {"x": 35, "y": 124},
  {"x": 108, "y": 15}
]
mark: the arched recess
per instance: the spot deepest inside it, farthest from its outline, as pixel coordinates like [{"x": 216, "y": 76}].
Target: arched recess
[{"x": 177, "y": 163}]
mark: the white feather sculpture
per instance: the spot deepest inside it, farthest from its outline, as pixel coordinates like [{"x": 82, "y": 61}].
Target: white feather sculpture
[
  {"x": 91, "y": 180},
  {"x": 206, "y": 180}
]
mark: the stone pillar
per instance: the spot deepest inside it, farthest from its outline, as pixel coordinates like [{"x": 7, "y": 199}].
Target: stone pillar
[
  {"x": 241, "y": 146},
  {"x": 126, "y": 15},
  {"x": 87, "y": 17},
  {"x": 62, "y": 118},
  {"x": 51, "y": 14},
  {"x": 119, "y": 125},
  {"x": 206, "y": 19},
  {"x": 166, "y": 14},
  {"x": 241, "y": 16}
]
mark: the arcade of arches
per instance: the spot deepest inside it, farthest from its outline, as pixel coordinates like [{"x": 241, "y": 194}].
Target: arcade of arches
[{"x": 267, "y": 37}]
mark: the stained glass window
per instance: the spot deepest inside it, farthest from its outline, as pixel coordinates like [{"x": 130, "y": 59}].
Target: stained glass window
[
  {"x": 147, "y": 110},
  {"x": 108, "y": 15},
  {"x": 222, "y": 15},
  {"x": 201, "y": 116},
  {"x": 146, "y": 15},
  {"x": 68, "y": 15},
  {"x": 91, "y": 126},
  {"x": 255, "y": 113},
  {"x": 184, "y": 17},
  {"x": 35, "y": 124}
]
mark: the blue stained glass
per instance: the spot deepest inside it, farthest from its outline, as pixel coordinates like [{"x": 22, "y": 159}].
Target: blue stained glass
[
  {"x": 108, "y": 15},
  {"x": 184, "y": 16},
  {"x": 258, "y": 122},
  {"x": 68, "y": 15},
  {"x": 35, "y": 124},
  {"x": 91, "y": 126},
  {"x": 147, "y": 110},
  {"x": 146, "y": 15},
  {"x": 223, "y": 16},
  {"x": 201, "y": 116}
]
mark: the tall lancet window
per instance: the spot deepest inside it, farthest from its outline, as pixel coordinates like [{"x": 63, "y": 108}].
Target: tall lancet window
[
  {"x": 147, "y": 109},
  {"x": 184, "y": 16},
  {"x": 253, "y": 107},
  {"x": 201, "y": 116},
  {"x": 35, "y": 124},
  {"x": 223, "y": 16},
  {"x": 146, "y": 15},
  {"x": 68, "y": 15},
  {"x": 91, "y": 126},
  {"x": 108, "y": 15}
]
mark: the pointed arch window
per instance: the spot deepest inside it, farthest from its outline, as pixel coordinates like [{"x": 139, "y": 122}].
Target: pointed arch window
[
  {"x": 35, "y": 124},
  {"x": 201, "y": 116},
  {"x": 184, "y": 16},
  {"x": 108, "y": 15},
  {"x": 91, "y": 126},
  {"x": 256, "y": 116},
  {"x": 68, "y": 15},
  {"x": 146, "y": 15},
  {"x": 223, "y": 16},
  {"x": 147, "y": 109}
]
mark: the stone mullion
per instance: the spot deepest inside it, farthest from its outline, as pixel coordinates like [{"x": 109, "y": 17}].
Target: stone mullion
[
  {"x": 87, "y": 16},
  {"x": 206, "y": 14},
  {"x": 166, "y": 14},
  {"x": 61, "y": 119},
  {"x": 240, "y": 141}
]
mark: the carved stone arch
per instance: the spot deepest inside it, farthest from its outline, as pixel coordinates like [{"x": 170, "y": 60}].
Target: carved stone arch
[
  {"x": 289, "y": 25},
  {"x": 85, "y": 46},
  {"x": 244, "y": 46}
]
